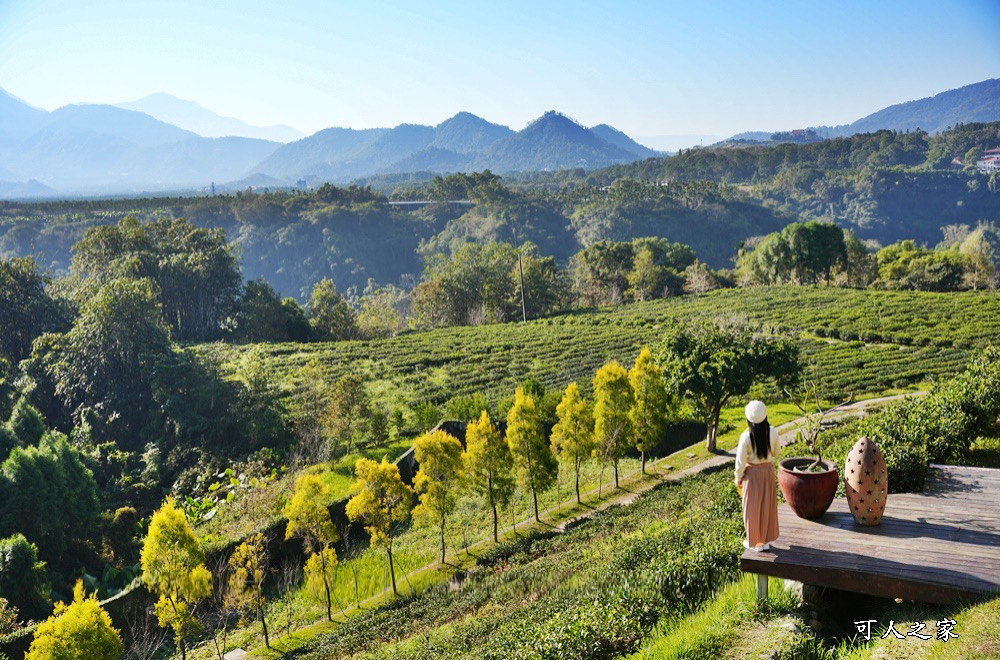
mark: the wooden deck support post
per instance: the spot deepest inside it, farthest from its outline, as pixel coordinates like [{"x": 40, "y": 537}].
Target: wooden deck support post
[{"x": 761, "y": 587}]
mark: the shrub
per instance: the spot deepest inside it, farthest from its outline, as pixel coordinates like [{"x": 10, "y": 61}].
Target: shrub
[{"x": 940, "y": 427}]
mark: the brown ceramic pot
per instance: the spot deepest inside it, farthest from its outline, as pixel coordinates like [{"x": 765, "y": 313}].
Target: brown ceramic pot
[{"x": 808, "y": 493}]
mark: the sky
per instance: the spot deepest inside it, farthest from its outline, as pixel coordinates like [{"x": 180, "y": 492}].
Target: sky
[{"x": 648, "y": 68}]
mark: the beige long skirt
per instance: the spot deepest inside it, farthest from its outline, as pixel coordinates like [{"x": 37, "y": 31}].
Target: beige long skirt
[{"x": 760, "y": 504}]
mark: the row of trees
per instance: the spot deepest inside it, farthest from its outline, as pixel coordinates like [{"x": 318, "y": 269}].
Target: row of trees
[
  {"x": 630, "y": 410},
  {"x": 820, "y": 252}
]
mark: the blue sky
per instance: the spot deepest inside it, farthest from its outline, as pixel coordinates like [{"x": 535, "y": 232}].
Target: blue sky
[{"x": 649, "y": 68}]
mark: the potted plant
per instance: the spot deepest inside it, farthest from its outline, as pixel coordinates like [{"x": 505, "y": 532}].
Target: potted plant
[{"x": 809, "y": 483}]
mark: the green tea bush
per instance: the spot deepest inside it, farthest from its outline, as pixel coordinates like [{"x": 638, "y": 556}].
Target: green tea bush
[{"x": 940, "y": 427}]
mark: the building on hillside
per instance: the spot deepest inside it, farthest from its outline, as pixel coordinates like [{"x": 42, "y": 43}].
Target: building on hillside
[{"x": 990, "y": 162}]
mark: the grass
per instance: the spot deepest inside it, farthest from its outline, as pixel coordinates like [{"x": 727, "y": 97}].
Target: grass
[
  {"x": 977, "y": 625},
  {"x": 544, "y": 574},
  {"x": 416, "y": 546},
  {"x": 731, "y": 625}
]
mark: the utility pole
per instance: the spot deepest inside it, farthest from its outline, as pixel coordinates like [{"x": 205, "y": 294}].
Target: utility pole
[
  {"x": 520, "y": 275},
  {"x": 520, "y": 270}
]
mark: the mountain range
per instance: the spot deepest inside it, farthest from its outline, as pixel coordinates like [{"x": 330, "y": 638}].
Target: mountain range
[
  {"x": 978, "y": 102},
  {"x": 192, "y": 117},
  {"x": 463, "y": 142},
  {"x": 161, "y": 143}
]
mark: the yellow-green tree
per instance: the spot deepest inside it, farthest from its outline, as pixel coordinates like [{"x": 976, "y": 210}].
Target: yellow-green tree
[
  {"x": 173, "y": 567},
  {"x": 612, "y": 401},
  {"x": 489, "y": 467},
  {"x": 247, "y": 572},
  {"x": 651, "y": 404},
  {"x": 381, "y": 501},
  {"x": 81, "y": 630},
  {"x": 320, "y": 572},
  {"x": 309, "y": 519},
  {"x": 536, "y": 465},
  {"x": 438, "y": 479},
  {"x": 573, "y": 435}
]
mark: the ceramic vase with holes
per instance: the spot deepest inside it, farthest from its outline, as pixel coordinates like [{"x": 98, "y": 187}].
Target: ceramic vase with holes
[{"x": 867, "y": 482}]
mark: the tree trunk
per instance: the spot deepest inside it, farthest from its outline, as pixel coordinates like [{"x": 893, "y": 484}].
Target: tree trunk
[
  {"x": 263, "y": 625},
  {"x": 326, "y": 587},
  {"x": 534, "y": 495},
  {"x": 616, "y": 475},
  {"x": 442, "y": 539},
  {"x": 643, "y": 453},
  {"x": 183, "y": 649},
  {"x": 496, "y": 538},
  {"x": 392, "y": 571},
  {"x": 578, "y": 483},
  {"x": 713, "y": 428}
]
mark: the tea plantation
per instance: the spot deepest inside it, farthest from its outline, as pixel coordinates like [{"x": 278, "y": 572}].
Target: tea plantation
[{"x": 853, "y": 341}]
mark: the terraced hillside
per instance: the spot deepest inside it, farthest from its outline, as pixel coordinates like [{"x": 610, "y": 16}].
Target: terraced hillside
[{"x": 854, "y": 341}]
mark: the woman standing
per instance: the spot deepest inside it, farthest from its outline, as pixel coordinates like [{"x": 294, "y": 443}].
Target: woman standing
[{"x": 755, "y": 454}]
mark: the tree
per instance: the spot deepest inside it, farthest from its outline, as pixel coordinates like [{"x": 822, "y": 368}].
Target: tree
[
  {"x": 309, "y": 519},
  {"x": 645, "y": 280},
  {"x": 438, "y": 479},
  {"x": 23, "y": 579},
  {"x": 173, "y": 567},
  {"x": 260, "y": 314},
  {"x": 106, "y": 361},
  {"x": 196, "y": 271},
  {"x": 476, "y": 283},
  {"x": 573, "y": 434},
  {"x": 319, "y": 573},
  {"x": 8, "y": 618},
  {"x": 383, "y": 311},
  {"x": 613, "y": 399},
  {"x": 699, "y": 279},
  {"x": 381, "y": 501},
  {"x": 26, "y": 423},
  {"x": 536, "y": 466},
  {"x": 489, "y": 466},
  {"x": 297, "y": 327},
  {"x": 26, "y": 308},
  {"x": 710, "y": 365},
  {"x": 981, "y": 249},
  {"x": 651, "y": 404},
  {"x": 347, "y": 419},
  {"x": 81, "y": 630},
  {"x": 49, "y": 495},
  {"x": 860, "y": 265},
  {"x": 541, "y": 281},
  {"x": 248, "y": 569},
  {"x": 258, "y": 407},
  {"x": 331, "y": 317}
]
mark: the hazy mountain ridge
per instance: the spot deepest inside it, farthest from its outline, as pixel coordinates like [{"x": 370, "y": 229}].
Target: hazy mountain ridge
[
  {"x": 193, "y": 117},
  {"x": 978, "y": 102},
  {"x": 613, "y": 136},
  {"x": 464, "y": 141},
  {"x": 94, "y": 148},
  {"x": 88, "y": 148}
]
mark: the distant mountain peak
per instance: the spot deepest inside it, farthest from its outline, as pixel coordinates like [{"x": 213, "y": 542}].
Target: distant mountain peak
[{"x": 193, "y": 117}]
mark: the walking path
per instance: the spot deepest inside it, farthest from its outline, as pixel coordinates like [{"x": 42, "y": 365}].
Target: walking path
[{"x": 786, "y": 436}]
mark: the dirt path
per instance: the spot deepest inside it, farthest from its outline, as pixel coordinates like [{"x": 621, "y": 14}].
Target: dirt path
[{"x": 786, "y": 435}]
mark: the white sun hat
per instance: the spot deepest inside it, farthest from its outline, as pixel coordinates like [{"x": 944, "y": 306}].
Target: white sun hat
[{"x": 756, "y": 412}]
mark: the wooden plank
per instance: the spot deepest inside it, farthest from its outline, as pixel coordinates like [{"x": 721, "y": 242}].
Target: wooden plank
[{"x": 939, "y": 546}]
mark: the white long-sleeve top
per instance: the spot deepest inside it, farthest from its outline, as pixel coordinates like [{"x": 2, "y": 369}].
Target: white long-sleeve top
[{"x": 745, "y": 455}]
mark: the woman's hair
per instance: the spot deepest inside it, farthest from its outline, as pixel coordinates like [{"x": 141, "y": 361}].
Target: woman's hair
[{"x": 760, "y": 437}]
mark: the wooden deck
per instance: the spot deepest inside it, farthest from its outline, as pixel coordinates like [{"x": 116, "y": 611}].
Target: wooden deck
[{"x": 939, "y": 546}]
